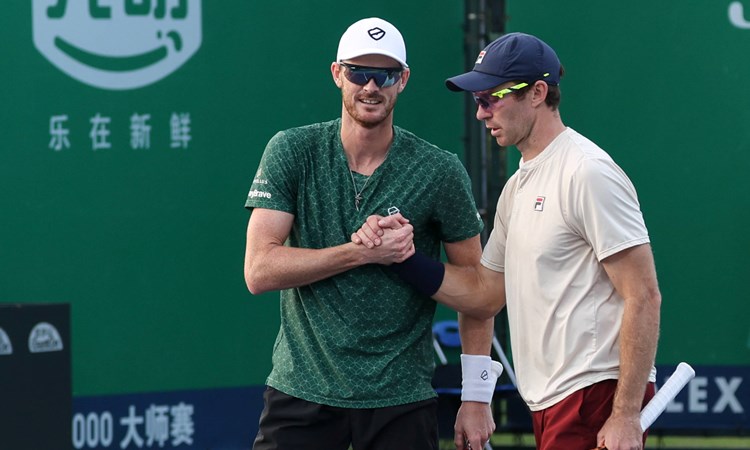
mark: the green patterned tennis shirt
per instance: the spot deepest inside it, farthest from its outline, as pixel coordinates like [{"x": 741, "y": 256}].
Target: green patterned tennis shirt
[{"x": 360, "y": 339}]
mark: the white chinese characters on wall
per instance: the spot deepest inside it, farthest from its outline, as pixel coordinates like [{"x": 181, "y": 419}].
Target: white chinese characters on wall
[
  {"x": 100, "y": 131},
  {"x": 159, "y": 426}
]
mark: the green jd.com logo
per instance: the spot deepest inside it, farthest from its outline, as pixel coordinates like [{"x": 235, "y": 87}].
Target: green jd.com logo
[{"x": 117, "y": 44}]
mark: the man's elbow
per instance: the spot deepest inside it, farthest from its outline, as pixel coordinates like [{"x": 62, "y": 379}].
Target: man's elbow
[
  {"x": 655, "y": 300},
  {"x": 496, "y": 305},
  {"x": 491, "y": 309},
  {"x": 255, "y": 282},
  {"x": 479, "y": 313},
  {"x": 485, "y": 309}
]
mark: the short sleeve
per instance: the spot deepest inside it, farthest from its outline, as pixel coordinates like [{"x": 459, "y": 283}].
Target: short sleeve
[
  {"x": 275, "y": 183},
  {"x": 604, "y": 207}
]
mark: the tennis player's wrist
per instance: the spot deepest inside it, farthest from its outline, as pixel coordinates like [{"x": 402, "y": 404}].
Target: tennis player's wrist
[
  {"x": 422, "y": 272},
  {"x": 479, "y": 374}
]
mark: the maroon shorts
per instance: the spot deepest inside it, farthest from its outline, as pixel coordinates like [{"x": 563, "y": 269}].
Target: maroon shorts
[{"x": 574, "y": 422}]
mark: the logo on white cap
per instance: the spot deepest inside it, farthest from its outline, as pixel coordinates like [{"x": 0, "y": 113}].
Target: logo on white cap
[{"x": 376, "y": 33}]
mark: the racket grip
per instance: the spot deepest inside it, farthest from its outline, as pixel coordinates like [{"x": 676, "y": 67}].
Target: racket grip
[{"x": 681, "y": 376}]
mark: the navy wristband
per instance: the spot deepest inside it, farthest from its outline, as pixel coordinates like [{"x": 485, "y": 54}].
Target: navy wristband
[{"x": 422, "y": 272}]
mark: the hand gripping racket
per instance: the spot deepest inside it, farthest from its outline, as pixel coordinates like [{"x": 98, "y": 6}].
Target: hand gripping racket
[{"x": 681, "y": 376}]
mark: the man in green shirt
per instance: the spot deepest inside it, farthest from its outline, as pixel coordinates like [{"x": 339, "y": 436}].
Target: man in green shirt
[{"x": 353, "y": 360}]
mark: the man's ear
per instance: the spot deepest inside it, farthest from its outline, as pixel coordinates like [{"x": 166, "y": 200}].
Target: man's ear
[
  {"x": 540, "y": 89},
  {"x": 336, "y": 74},
  {"x": 404, "y": 79}
]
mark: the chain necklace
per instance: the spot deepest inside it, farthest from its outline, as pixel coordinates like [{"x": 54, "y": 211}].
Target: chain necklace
[{"x": 358, "y": 194}]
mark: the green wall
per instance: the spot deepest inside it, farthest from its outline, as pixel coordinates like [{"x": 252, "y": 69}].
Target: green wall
[
  {"x": 662, "y": 86},
  {"x": 147, "y": 245}
]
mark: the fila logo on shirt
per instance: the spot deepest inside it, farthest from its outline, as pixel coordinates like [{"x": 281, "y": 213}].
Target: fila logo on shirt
[{"x": 539, "y": 203}]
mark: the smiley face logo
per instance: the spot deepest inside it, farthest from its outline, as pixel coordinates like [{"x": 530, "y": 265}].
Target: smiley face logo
[{"x": 117, "y": 44}]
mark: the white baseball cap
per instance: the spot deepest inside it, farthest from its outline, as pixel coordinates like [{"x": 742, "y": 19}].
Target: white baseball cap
[{"x": 372, "y": 36}]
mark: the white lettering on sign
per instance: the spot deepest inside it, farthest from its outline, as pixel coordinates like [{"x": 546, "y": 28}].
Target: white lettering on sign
[
  {"x": 103, "y": 128},
  {"x": 728, "y": 397},
  {"x": 58, "y": 133},
  {"x": 698, "y": 401},
  {"x": 180, "y": 130},
  {"x": 93, "y": 430},
  {"x": 140, "y": 131},
  {"x": 158, "y": 427},
  {"x": 99, "y": 133}
]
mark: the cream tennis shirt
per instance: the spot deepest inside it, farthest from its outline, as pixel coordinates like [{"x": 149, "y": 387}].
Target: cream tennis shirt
[{"x": 558, "y": 216}]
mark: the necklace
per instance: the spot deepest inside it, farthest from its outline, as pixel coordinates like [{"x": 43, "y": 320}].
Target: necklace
[{"x": 358, "y": 194}]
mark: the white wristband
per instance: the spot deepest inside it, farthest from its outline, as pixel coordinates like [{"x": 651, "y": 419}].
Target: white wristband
[{"x": 479, "y": 373}]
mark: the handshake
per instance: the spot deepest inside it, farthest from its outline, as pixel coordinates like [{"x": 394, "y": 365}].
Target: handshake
[{"x": 390, "y": 239}]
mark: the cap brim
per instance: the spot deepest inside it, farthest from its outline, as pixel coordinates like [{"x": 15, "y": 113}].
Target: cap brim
[
  {"x": 373, "y": 51},
  {"x": 473, "y": 82}
]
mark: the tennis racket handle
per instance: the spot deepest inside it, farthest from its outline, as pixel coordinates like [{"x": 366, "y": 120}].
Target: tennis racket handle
[{"x": 681, "y": 376}]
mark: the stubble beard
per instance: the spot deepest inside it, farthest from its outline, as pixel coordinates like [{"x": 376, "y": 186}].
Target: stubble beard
[{"x": 350, "y": 104}]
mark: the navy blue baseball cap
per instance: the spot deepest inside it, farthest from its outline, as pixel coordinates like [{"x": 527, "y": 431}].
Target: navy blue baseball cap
[{"x": 511, "y": 57}]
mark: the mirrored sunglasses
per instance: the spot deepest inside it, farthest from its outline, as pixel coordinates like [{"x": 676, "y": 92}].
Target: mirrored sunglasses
[
  {"x": 361, "y": 75},
  {"x": 487, "y": 101}
]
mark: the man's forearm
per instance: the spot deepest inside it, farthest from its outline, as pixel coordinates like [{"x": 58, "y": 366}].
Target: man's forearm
[
  {"x": 465, "y": 290},
  {"x": 283, "y": 267},
  {"x": 476, "y": 334},
  {"x": 639, "y": 335}
]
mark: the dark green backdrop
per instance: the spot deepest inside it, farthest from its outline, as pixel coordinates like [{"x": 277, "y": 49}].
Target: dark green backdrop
[{"x": 147, "y": 245}]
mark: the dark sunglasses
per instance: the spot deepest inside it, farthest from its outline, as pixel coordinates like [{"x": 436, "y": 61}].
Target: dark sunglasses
[{"x": 361, "y": 75}]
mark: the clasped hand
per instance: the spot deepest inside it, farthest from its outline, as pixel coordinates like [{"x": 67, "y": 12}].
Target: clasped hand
[{"x": 390, "y": 238}]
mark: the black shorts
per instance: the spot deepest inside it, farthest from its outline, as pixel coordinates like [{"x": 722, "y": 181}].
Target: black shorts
[{"x": 290, "y": 423}]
